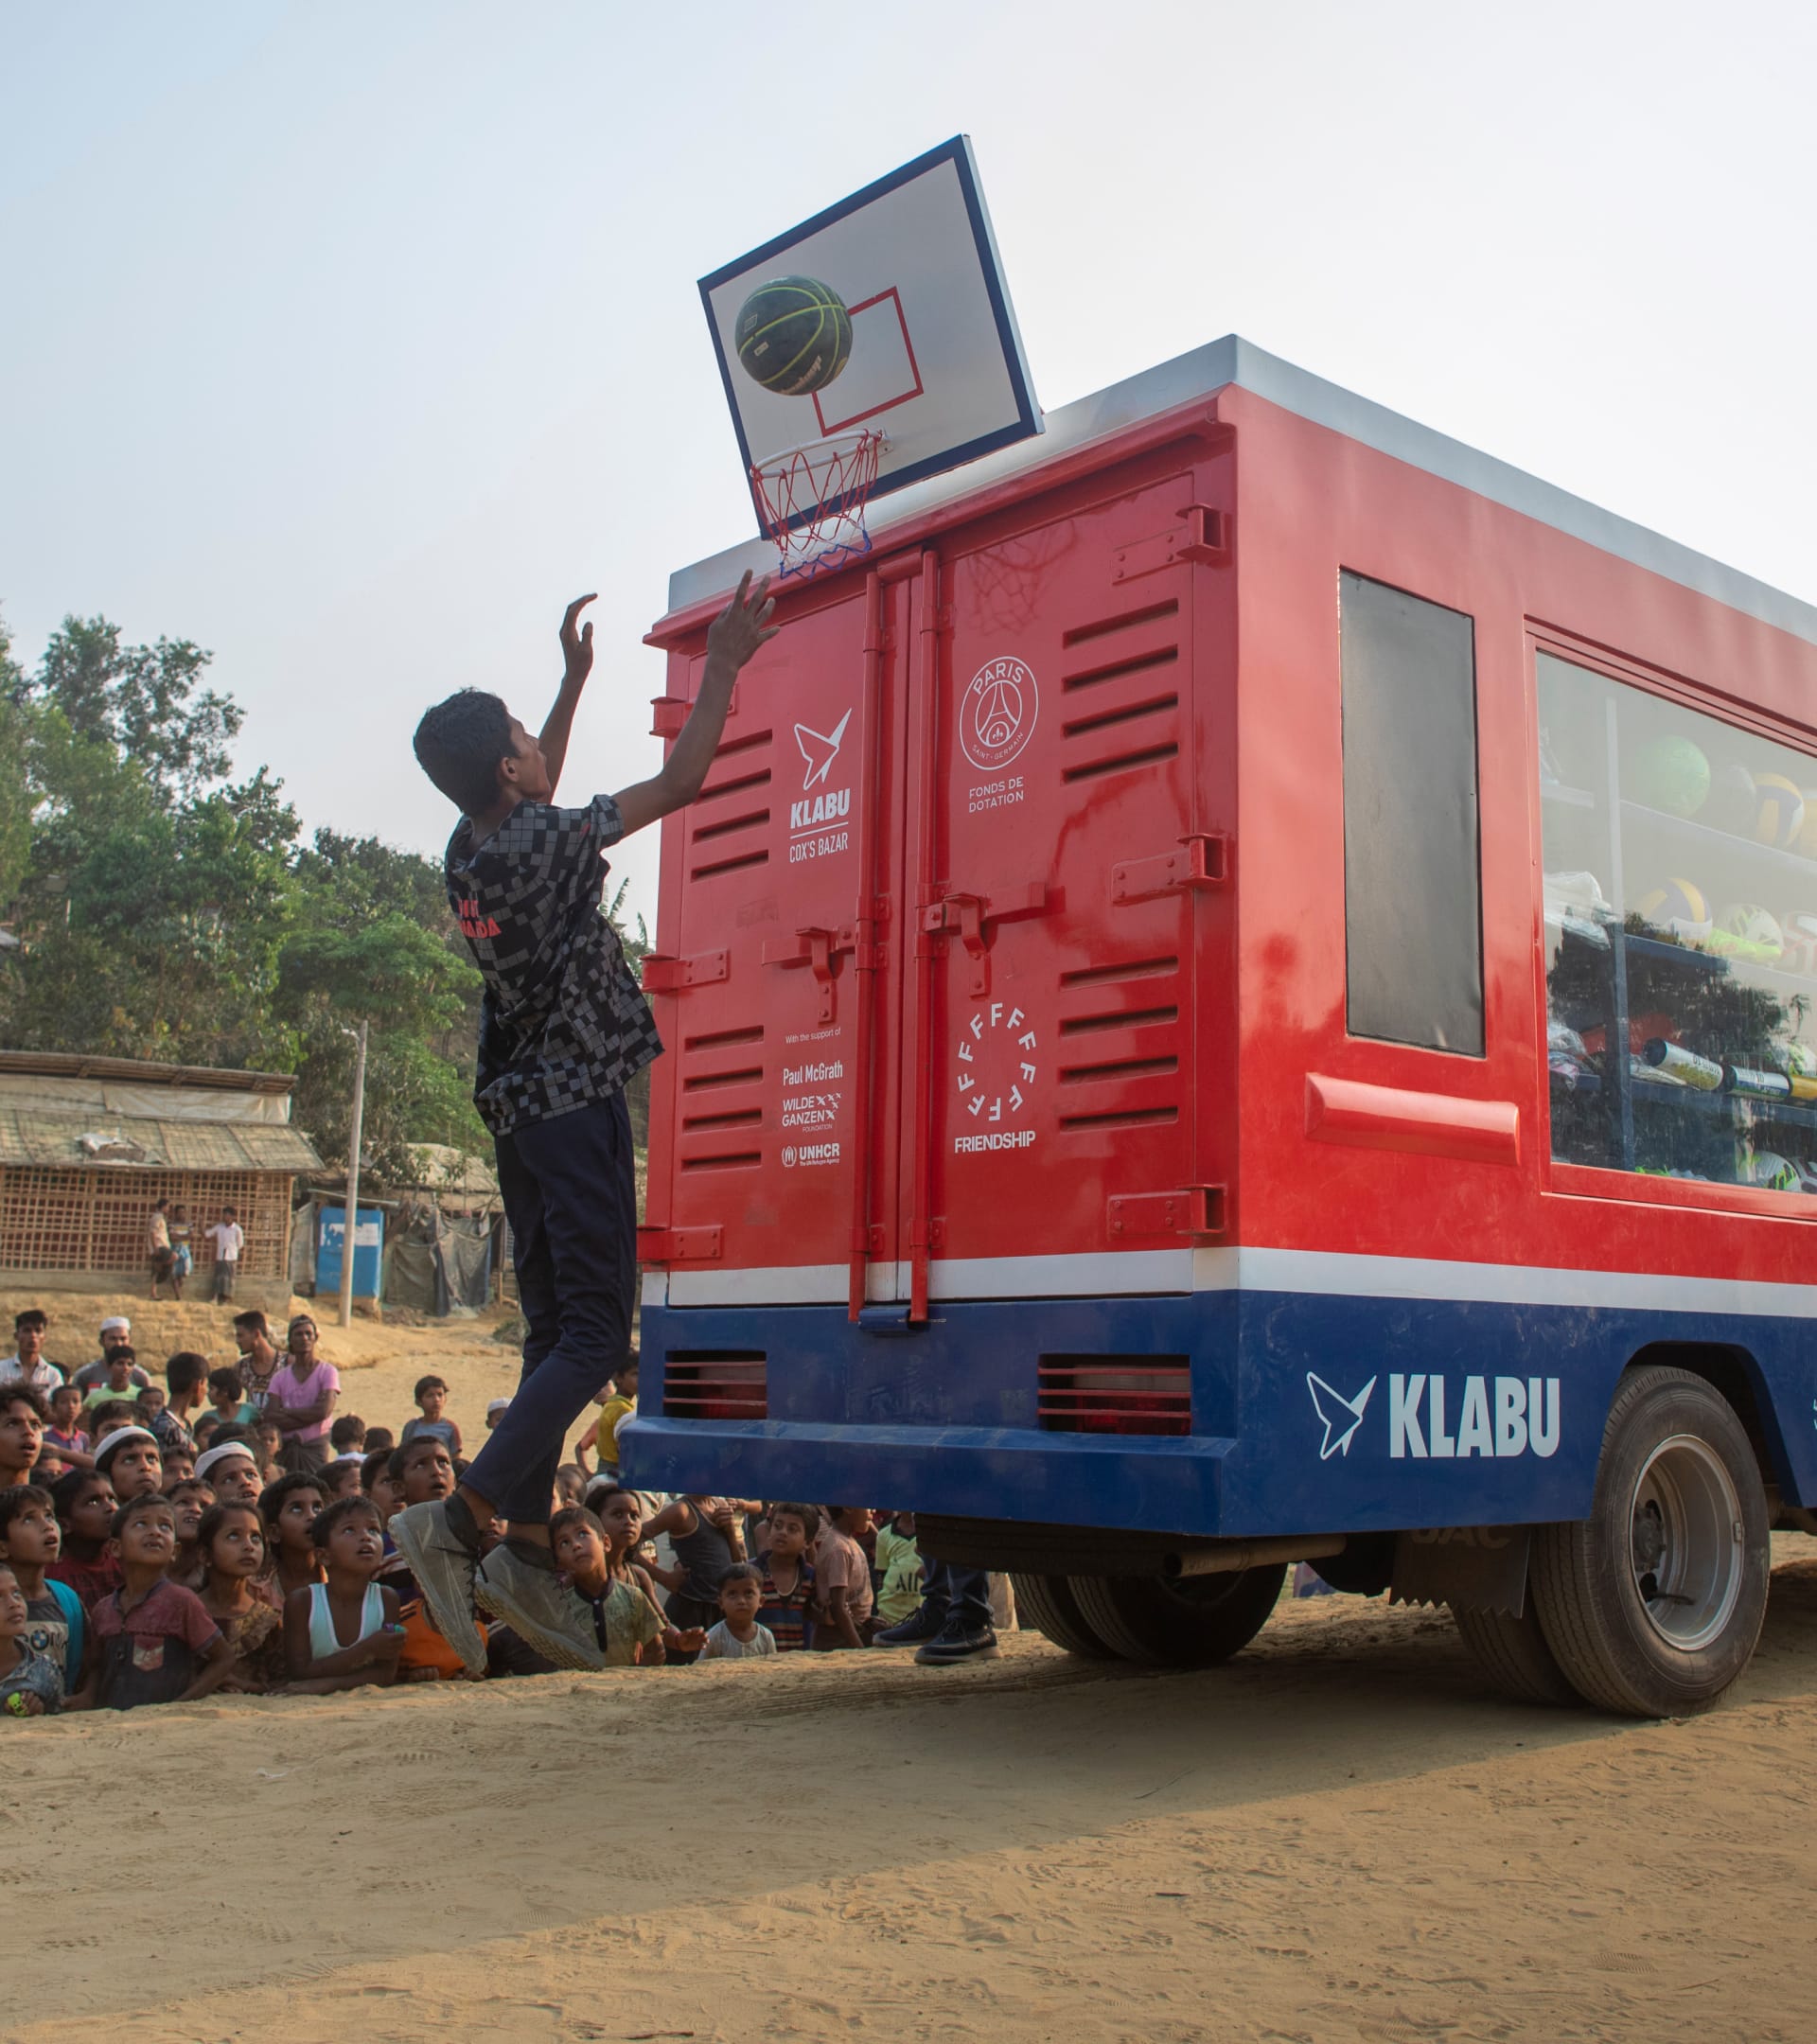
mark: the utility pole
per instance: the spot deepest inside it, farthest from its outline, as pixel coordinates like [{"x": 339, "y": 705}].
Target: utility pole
[{"x": 350, "y": 1225}]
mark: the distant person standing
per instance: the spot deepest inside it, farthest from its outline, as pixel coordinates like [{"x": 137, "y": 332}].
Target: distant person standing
[
  {"x": 183, "y": 1254},
  {"x": 157, "y": 1244},
  {"x": 229, "y": 1239},
  {"x": 302, "y": 1399}
]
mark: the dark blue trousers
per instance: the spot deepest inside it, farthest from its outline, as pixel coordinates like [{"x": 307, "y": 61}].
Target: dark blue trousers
[
  {"x": 570, "y": 1198},
  {"x": 965, "y": 1590}
]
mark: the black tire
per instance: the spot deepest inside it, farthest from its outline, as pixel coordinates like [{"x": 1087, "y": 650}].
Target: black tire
[
  {"x": 1047, "y": 1604},
  {"x": 1193, "y": 1623},
  {"x": 1644, "y": 1620},
  {"x": 1512, "y": 1652}
]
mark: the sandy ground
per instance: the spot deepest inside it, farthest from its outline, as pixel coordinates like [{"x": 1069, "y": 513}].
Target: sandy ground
[{"x": 1340, "y": 1836}]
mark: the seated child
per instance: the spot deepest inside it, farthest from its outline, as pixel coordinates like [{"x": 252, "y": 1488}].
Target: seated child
[
  {"x": 788, "y": 1576},
  {"x": 101, "y": 1421},
  {"x": 431, "y": 1396},
  {"x": 899, "y": 1571},
  {"x": 495, "y": 1411},
  {"x": 616, "y": 1409},
  {"x": 842, "y": 1579},
  {"x": 375, "y": 1483},
  {"x": 150, "y": 1641},
  {"x": 738, "y": 1636},
  {"x": 228, "y": 1390},
  {"x": 236, "y": 1596},
  {"x": 340, "y": 1476},
  {"x": 591, "y": 1550},
  {"x": 268, "y": 1442},
  {"x": 343, "y": 1633},
  {"x": 421, "y": 1469},
  {"x": 30, "y": 1540},
  {"x": 85, "y": 1506},
  {"x": 66, "y": 1445},
  {"x": 347, "y": 1434},
  {"x": 179, "y": 1467},
  {"x": 380, "y": 1437},
  {"x": 207, "y": 1426},
  {"x": 231, "y": 1471},
  {"x": 571, "y": 1485},
  {"x": 130, "y": 1461},
  {"x": 189, "y": 1500},
  {"x": 288, "y": 1508},
  {"x": 30, "y": 1683}
]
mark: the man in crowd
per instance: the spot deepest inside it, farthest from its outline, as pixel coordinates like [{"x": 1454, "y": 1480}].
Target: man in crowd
[
  {"x": 26, "y": 1364},
  {"x": 116, "y": 1333}
]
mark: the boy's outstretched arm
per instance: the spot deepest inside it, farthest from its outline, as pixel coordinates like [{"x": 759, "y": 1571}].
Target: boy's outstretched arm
[
  {"x": 576, "y": 664},
  {"x": 735, "y": 635}
]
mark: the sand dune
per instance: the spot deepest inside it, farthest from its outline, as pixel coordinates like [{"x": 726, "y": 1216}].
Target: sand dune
[{"x": 1341, "y": 1836}]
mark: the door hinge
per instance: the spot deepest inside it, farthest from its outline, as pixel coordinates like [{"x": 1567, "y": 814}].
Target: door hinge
[
  {"x": 970, "y": 916},
  {"x": 1192, "y": 1210},
  {"x": 1203, "y": 536},
  {"x": 679, "y": 1244},
  {"x": 671, "y": 975},
  {"x": 1202, "y": 861}
]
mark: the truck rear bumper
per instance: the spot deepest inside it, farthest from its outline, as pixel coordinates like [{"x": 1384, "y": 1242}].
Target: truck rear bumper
[{"x": 1164, "y": 1485}]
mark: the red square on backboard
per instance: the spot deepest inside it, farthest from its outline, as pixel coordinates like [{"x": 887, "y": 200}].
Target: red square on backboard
[{"x": 882, "y": 372}]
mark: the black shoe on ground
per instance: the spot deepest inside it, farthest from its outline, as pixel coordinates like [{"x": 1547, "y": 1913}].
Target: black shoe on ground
[
  {"x": 925, "y": 1623},
  {"x": 959, "y": 1639}
]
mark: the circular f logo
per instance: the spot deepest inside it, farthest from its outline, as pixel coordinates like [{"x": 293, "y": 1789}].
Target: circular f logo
[{"x": 996, "y": 713}]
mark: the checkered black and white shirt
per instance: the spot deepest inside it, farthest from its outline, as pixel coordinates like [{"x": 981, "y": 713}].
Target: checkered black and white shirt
[{"x": 562, "y": 1022}]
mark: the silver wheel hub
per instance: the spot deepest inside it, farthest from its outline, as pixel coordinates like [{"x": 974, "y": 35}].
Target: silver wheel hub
[{"x": 1687, "y": 1544}]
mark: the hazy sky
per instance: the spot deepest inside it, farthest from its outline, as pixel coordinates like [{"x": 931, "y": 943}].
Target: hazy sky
[{"x": 351, "y": 340}]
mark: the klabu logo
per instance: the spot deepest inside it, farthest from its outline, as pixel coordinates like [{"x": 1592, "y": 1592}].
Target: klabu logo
[
  {"x": 475, "y": 924},
  {"x": 1497, "y": 1418},
  {"x": 818, "y": 750}
]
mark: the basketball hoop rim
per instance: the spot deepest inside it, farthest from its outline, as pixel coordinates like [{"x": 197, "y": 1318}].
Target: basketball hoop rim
[{"x": 849, "y": 439}]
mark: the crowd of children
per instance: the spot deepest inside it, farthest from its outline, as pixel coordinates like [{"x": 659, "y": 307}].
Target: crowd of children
[{"x": 162, "y": 1542}]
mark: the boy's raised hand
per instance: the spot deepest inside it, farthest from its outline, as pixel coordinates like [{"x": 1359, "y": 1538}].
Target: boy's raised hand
[
  {"x": 739, "y": 629},
  {"x": 576, "y": 646}
]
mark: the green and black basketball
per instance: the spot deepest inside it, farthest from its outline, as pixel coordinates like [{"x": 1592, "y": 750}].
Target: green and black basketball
[{"x": 794, "y": 335}]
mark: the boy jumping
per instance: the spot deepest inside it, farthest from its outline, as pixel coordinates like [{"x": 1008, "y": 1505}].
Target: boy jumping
[{"x": 563, "y": 1027}]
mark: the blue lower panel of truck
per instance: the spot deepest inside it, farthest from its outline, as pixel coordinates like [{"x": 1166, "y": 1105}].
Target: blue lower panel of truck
[{"x": 1310, "y": 1412}]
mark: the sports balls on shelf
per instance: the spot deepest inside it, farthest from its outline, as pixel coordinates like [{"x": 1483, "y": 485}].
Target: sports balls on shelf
[
  {"x": 1673, "y": 774},
  {"x": 1733, "y": 801},
  {"x": 794, "y": 335},
  {"x": 1778, "y": 810},
  {"x": 1807, "y": 838},
  {"x": 1679, "y": 906},
  {"x": 1799, "y": 927},
  {"x": 1768, "y": 1168},
  {"x": 1745, "y": 929}
]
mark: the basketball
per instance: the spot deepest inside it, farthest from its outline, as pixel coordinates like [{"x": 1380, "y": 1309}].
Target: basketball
[
  {"x": 794, "y": 335},
  {"x": 1778, "y": 809},
  {"x": 1673, "y": 774}
]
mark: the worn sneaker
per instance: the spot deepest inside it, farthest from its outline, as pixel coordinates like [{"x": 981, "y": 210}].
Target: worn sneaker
[
  {"x": 442, "y": 1565},
  {"x": 925, "y": 1622},
  {"x": 540, "y": 1608},
  {"x": 958, "y": 1640}
]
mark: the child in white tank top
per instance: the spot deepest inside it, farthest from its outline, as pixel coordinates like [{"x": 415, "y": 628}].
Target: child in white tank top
[{"x": 343, "y": 1633}]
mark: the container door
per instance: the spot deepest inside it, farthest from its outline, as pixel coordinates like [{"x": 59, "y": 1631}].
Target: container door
[
  {"x": 1055, "y": 1108},
  {"x": 776, "y": 994}
]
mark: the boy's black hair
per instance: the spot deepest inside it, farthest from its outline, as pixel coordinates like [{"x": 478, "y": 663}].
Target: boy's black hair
[
  {"x": 379, "y": 1437},
  {"x": 226, "y": 1378},
  {"x": 265, "y": 1424},
  {"x": 808, "y": 1514},
  {"x": 75, "y": 1391},
  {"x": 431, "y": 1382},
  {"x": 270, "y": 1500},
  {"x": 399, "y": 1458},
  {"x": 149, "y": 1390},
  {"x": 232, "y": 1429},
  {"x": 330, "y": 1516},
  {"x": 743, "y": 1572},
  {"x": 33, "y": 1317},
  {"x": 20, "y": 1393},
  {"x": 575, "y": 1515},
  {"x": 190, "y": 1483},
  {"x": 376, "y": 1463},
  {"x": 631, "y": 1362},
  {"x": 66, "y": 1492},
  {"x": 253, "y": 1318},
  {"x": 216, "y": 1517},
  {"x": 124, "y": 1353},
  {"x": 134, "y": 1508},
  {"x": 459, "y": 744},
  {"x": 113, "y": 1408},
  {"x": 347, "y": 1431},
  {"x": 15, "y": 1499},
  {"x": 185, "y": 1370}
]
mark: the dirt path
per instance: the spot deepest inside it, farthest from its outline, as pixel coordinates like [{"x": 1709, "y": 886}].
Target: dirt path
[{"x": 1338, "y": 1837}]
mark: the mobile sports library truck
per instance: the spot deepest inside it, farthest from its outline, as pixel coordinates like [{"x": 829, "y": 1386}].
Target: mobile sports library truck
[{"x": 1243, "y": 988}]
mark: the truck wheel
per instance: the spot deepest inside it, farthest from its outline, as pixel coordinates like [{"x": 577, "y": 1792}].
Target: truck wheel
[
  {"x": 1195, "y": 1623},
  {"x": 1514, "y": 1654},
  {"x": 1653, "y": 1604},
  {"x": 1047, "y": 1604}
]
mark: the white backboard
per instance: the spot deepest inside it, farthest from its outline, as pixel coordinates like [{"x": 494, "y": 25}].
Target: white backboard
[{"x": 936, "y": 366}]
